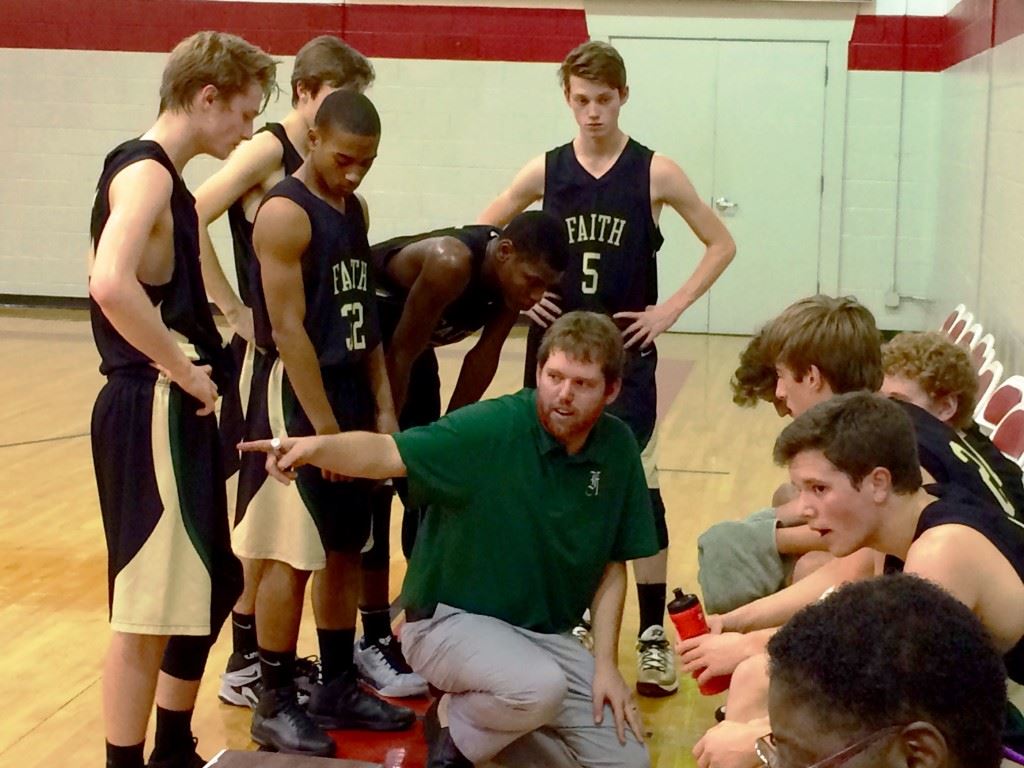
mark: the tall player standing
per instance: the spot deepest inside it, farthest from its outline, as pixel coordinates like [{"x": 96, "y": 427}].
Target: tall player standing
[
  {"x": 172, "y": 577},
  {"x": 323, "y": 65},
  {"x": 610, "y": 190},
  {"x": 323, "y": 371}
]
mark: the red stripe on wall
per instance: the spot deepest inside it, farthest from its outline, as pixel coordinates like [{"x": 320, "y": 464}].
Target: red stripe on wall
[
  {"x": 932, "y": 44},
  {"x": 388, "y": 31},
  {"x": 1009, "y": 20}
]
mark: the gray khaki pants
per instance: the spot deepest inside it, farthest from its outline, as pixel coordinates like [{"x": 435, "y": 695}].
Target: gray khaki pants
[{"x": 518, "y": 698}]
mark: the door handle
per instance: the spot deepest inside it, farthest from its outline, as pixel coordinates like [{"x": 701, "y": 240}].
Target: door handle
[{"x": 724, "y": 204}]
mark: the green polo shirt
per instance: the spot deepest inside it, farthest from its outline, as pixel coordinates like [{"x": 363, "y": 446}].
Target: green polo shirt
[{"x": 516, "y": 528}]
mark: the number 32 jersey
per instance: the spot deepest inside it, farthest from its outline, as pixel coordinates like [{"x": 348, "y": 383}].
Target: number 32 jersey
[
  {"x": 341, "y": 308},
  {"x": 612, "y": 235}
]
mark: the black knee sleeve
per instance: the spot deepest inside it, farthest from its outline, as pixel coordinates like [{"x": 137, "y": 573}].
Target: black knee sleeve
[
  {"x": 411, "y": 520},
  {"x": 660, "y": 526},
  {"x": 378, "y": 557},
  {"x": 411, "y": 517},
  {"x": 186, "y": 655}
]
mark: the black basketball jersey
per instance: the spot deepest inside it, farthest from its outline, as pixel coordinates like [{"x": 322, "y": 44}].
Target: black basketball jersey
[
  {"x": 952, "y": 461},
  {"x": 1007, "y": 474},
  {"x": 182, "y": 301},
  {"x": 241, "y": 227},
  {"x": 612, "y": 235},
  {"x": 473, "y": 309},
  {"x": 341, "y": 308},
  {"x": 956, "y": 507}
]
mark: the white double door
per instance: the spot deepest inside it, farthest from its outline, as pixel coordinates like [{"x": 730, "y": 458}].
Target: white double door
[{"x": 745, "y": 119}]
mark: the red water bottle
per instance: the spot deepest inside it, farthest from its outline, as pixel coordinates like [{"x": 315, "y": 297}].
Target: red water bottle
[{"x": 688, "y": 617}]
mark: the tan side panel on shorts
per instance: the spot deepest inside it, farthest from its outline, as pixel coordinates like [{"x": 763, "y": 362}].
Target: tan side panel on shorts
[
  {"x": 277, "y": 525},
  {"x": 165, "y": 589},
  {"x": 649, "y": 459},
  {"x": 245, "y": 376}
]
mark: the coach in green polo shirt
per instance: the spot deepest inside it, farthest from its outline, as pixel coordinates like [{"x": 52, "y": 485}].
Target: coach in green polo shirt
[{"x": 535, "y": 502}]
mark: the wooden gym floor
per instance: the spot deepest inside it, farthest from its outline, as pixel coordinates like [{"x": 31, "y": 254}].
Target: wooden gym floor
[{"x": 715, "y": 464}]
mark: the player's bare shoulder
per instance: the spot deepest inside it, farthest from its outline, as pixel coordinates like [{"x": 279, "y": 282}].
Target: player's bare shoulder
[
  {"x": 257, "y": 164},
  {"x": 530, "y": 179},
  {"x": 445, "y": 264},
  {"x": 141, "y": 219},
  {"x": 449, "y": 258},
  {"x": 282, "y": 230},
  {"x": 668, "y": 180}
]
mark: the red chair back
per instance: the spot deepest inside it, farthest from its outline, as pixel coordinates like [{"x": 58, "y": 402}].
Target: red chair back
[
  {"x": 950, "y": 319},
  {"x": 1009, "y": 434},
  {"x": 984, "y": 382},
  {"x": 968, "y": 338},
  {"x": 1003, "y": 400}
]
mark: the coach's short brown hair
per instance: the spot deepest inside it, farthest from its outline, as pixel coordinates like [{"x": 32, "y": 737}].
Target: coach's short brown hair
[
  {"x": 857, "y": 432},
  {"x": 595, "y": 61},
  {"x": 837, "y": 335},
  {"x": 224, "y": 61},
  {"x": 588, "y": 337},
  {"x": 326, "y": 60},
  {"x": 940, "y": 367}
]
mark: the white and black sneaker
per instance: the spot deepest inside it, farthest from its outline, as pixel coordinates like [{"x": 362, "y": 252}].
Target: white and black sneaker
[
  {"x": 584, "y": 636},
  {"x": 307, "y": 675},
  {"x": 382, "y": 666},
  {"x": 240, "y": 684}
]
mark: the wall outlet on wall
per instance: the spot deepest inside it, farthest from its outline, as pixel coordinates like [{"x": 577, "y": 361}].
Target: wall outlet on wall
[{"x": 892, "y": 299}]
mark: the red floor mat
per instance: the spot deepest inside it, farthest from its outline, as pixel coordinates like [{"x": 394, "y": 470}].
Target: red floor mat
[{"x": 373, "y": 746}]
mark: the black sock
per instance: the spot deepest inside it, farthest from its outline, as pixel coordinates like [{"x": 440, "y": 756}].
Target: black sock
[
  {"x": 652, "y": 604},
  {"x": 277, "y": 668},
  {"x": 173, "y": 733},
  {"x": 335, "y": 652},
  {"x": 243, "y": 634},
  {"x": 376, "y": 623},
  {"x": 125, "y": 757}
]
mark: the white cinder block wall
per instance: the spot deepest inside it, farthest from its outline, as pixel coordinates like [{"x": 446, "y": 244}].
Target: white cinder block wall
[
  {"x": 979, "y": 252},
  {"x": 931, "y": 186},
  {"x": 454, "y": 133}
]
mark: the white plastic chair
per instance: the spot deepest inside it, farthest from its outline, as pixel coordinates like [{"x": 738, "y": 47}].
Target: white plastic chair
[
  {"x": 960, "y": 326},
  {"x": 1009, "y": 435},
  {"x": 989, "y": 377},
  {"x": 952, "y": 317},
  {"x": 971, "y": 336}
]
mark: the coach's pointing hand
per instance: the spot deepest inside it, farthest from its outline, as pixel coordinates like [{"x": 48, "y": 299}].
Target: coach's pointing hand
[{"x": 284, "y": 455}]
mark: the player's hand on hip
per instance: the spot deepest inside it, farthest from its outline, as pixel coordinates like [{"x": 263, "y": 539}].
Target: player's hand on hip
[
  {"x": 609, "y": 687},
  {"x": 545, "y": 311},
  {"x": 284, "y": 455},
  {"x": 644, "y": 327},
  {"x": 198, "y": 383}
]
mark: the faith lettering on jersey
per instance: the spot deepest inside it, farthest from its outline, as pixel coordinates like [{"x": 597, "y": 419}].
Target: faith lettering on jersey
[
  {"x": 595, "y": 228},
  {"x": 351, "y": 274}
]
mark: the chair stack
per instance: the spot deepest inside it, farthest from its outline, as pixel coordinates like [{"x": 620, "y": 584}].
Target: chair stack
[{"x": 1000, "y": 409}]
